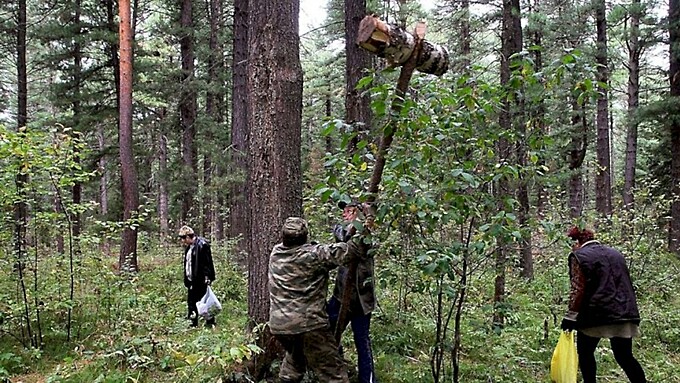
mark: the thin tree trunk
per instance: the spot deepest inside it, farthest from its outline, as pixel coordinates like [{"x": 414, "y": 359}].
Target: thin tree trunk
[
  {"x": 674, "y": 73},
  {"x": 357, "y": 102},
  {"x": 329, "y": 110},
  {"x": 521, "y": 147},
  {"x": 21, "y": 207},
  {"x": 539, "y": 115},
  {"x": 187, "y": 111},
  {"x": 577, "y": 154},
  {"x": 603, "y": 186},
  {"x": 465, "y": 36},
  {"x": 213, "y": 111},
  {"x": 113, "y": 48},
  {"x": 112, "y": 51},
  {"x": 103, "y": 170},
  {"x": 103, "y": 185},
  {"x": 77, "y": 189},
  {"x": 511, "y": 41},
  {"x": 163, "y": 198},
  {"x": 239, "y": 213},
  {"x": 128, "y": 247},
  {"x": 634, "y": 51}
]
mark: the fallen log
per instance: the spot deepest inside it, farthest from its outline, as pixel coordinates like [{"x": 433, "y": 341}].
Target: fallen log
[{"x": 396, "y": 45}]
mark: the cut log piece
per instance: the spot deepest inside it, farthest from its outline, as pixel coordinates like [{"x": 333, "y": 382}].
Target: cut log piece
[{"x": 396, "y": 45}]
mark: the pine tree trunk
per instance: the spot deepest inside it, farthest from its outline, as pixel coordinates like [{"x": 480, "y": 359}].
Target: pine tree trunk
[
  {"x": 518, "y": 119},
  {"x": 187, "y": 110},
  {"x": 21, "y": 206},
  {"x": 163, "y": 205},
  {"x": 603, "y": 187},
  {"x": 674, "y": 73},
  {"x": 460, "y": 60},
  {"x": 77, "y": 189},
  {"x": 634, "y": 51},
  {"x": 212, "y": 110},
  {"x": 357, "y": 104},
  {"x": 511, "y": 40},
  {"x": 577, "y": 154},
  {"x": 104, "y": 173},
  {"x": 112, "y": 48},
  {"x": 275, "y": 117},
  {"x": 239, "y": 212},
  {"x": 539, "y": 115},
  {"x": 128, "y": 247}
]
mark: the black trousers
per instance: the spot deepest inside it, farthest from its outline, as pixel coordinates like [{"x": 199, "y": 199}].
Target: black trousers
[
  {"x": 194, "y": 294},
  {"x": 623, "y": 353}
]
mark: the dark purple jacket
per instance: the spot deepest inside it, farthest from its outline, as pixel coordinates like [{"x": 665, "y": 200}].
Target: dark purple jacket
[{"x": 609, "y": 296}]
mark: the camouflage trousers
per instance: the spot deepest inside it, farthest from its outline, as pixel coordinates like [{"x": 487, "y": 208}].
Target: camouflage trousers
[{"x": 316, "y": 351}]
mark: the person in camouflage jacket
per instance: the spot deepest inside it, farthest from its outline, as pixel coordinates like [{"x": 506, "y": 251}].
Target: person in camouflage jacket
[{"x": 298, "y": 282}]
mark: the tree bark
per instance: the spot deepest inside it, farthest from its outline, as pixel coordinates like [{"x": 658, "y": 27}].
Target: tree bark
[
  {"x": 396, "y": 45},
  {"x": 77, "y": 189},
  {"x": 275, "y": 117},
  {"x": 517, "y": 111},
  {"x": 213, "y": 112},
  {"x": 539, "y": 114},
  {"x": 603, "y": 187},
  {"x": 187, "y": 110},
  {"x": 163, "y": 205},
  {"x": 577, "y": 154},
  {"x": 357, "y": 103},
  {"x": 239, "y": 212},
  {"x": 634, "y": 51},
  {"x": 21, "y": 179},
  {"x": 112, "y": 49},
  {"x": 103, "y": 170},
  {"x": 511, "y": 41},
  {"x": 128, "y": 247},
  {"x": 674, "y": 74}
]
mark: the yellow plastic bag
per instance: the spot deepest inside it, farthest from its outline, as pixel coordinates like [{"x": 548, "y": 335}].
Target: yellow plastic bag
[{"x": 564, "y": 363}]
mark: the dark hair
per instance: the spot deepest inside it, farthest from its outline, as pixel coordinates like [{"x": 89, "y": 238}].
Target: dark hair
[
  {"x": 580, "y": 235},
  {"x": 290, "y": 241}
]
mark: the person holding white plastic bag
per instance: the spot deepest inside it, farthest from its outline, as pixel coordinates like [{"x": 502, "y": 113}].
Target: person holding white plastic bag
[{"x": 199, "y": 272}]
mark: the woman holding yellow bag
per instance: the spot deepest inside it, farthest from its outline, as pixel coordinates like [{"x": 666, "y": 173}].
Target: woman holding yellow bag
[{"x": 602, "y": 304}]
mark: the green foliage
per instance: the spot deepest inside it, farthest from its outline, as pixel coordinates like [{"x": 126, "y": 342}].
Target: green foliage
[
  {"x": 128, "y": 328},
  {"x": 133, "y": 329}
]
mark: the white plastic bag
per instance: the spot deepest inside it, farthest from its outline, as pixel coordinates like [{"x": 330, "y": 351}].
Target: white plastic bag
[{"x": 209, "y": 305}]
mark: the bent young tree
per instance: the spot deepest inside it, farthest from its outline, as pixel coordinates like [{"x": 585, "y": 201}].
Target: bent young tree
[{"x": 409, "y": 51}]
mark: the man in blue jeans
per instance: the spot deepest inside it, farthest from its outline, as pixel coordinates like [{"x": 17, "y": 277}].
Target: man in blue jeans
[{"x": 363, "y": 295}]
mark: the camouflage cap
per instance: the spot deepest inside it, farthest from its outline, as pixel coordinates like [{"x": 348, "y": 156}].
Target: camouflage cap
[
  {"x": 185, "y": 230},
  {"x": 295, "y": 227}
]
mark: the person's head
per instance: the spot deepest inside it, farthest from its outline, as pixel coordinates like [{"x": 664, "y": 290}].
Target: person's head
[
  {"x": 350, "y": 210},
  {"x": 294, "y": 232},
  {"x": 580, "y": 236},
  {"x": 186, "y": 235}
]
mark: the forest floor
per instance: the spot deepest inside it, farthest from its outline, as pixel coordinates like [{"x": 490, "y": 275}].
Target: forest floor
[{"x": 133, "y": 329}]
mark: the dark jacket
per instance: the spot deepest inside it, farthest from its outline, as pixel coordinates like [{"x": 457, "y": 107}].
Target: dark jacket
[
  {"x": 608, "y": 294},
  {"x": 201, "y": 263},
  {"x": 363, "y": 294}
]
